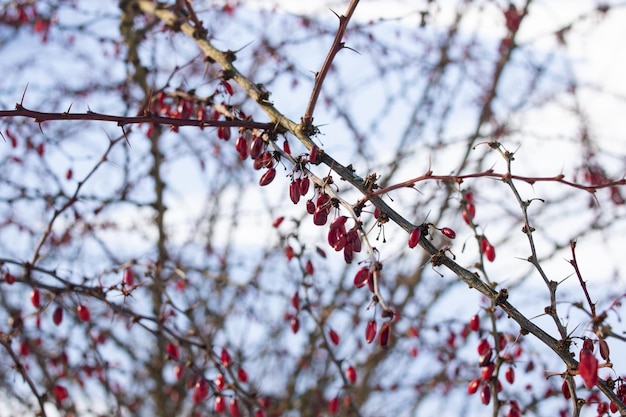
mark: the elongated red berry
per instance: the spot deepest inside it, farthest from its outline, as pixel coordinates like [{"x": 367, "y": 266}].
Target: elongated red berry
[
  {"x": 414, "y": 237},
  {"x": 485, "y": 394},
  {"x": 286, "y": 147},
  {"x": 57, "y": 316},
  {"x": 268, "y": 177},
  {"x": 509, "y": 375},
  {"x": 360, "y": 279},
  {"x": 385, "y": 334},
  {"x": 241, "y": 146},
  {"x": 220, "y": 404},
  {"x": 370, "y": 331},
  {"x": 228, "y": 88},
  {"x": 201, "y": 390},
  {"x": 474, "y": 323},
  {"x": 304, "y": 185},
  {"x": 233, "y": 408},
  {"x": 334, "y": 337},
  {"x": 129, "y": 277},
  {"x": 314, "y": 155},
  {"x": 604, "y": 349},
  {"x": 256, "y": 147},
  {"x": 565, "y": 390},
  {"x": 83, "y": 313},
  {"x": 449, "y": 233},
  {"x": 225, "y": 358},
  {"x": 295, "y": 325},
  {"x": 294, "y": 192},
  {"x": 490, "y": 253},
  {"x": 35, "y": 298},
  {"x": 338, "y": 223},
  {"x": 588, "y": 365},
  {"x": 60, "y": 392},
  {"x": 295, "y": 300},
  {"x": 219, "y": 382},
  {"x": 333, "y": 405},
  {"x": 172, "y": 350},
  {"x": 472, "y": 387},
  {"x": 351, "y": 374},
  {"x": 242, "y": 375}
]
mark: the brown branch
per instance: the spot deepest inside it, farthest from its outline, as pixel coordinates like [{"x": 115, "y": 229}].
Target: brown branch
[
  {"x": 583, "y": 284},
  {"x": 40, "y": 117},
  {"x": 338, "y": 45}
]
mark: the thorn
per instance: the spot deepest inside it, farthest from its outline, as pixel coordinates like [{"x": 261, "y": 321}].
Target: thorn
[
  {"x": 23, "y": 95},
  {"x": 69, "y": 108},
  {"x": 338, "y": 17},
  {"x": 126, "y": 137}
]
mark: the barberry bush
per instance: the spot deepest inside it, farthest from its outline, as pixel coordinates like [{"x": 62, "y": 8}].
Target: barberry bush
[{"x": 252, "y": 209}]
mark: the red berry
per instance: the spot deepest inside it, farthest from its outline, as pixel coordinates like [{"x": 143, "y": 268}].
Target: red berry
[
  {"x": 278, "y": 221},
  {"x": 201, "y": 390},
  {"x": 256, "y": 147},
  {"x": 129, "y": 278},
  {"x": 35, "y": 298},
  {"x": 286, "y": 147},
  {"x": 414, "y": 237},
  {"x": 485, "y": 394},
  {"x": 333, "y": 405},
  {"x": 220, "y": 404},
  {"x": 360, "y": 279},
  {"x": 472, "y": 387},
  {"x": 172, "y": 350},
  {"x": 310, "y": 207},
  {"x": 225, "y": 358},
  {"x": 509, "y": 374},
  {"x": 242, "y": 375},
  {"x": 241, "y": 146},
  {"x": 219, "y": 382},
  {"x": 370, "y": 331},
  {"x": 289, "y": 253},
  {"x": 179, "y": 369},
  {"x": 385, "y": 332},
  {"x": 565, "y": 390},
  {"x": 268, "y": 177},
  {"x": 223, "y": 132},
  {"x": 295, "y": 300},
  {"x": 449, "y": 233},
  {"x": 9, "y": 278},
  {"x": 294, "y": 192},
  {"x": 588, "y": 365},
  {"x": 351, "y": 374},
  {"x": 233, "y": 407},
  {"x": 314, "y": 155},
  {"x": 308, "y": 268},
  {"x": 487, "y": 371},
  {"x": 474, "y": 323},
  {"x": 483, "y": 347},
  {"x": 60, "y": 392},
  {"x": 260, "y": 413},
  {"x": 295, "y": 325},
  {"x": 304, "y": 185},
  {"x": 57, "y": 316},
  {"x": 604, "y": 349},
  {"x": 334, "y": 337},
  {"x": 228, "y": 88},
  {"x": 83, "y": 313}
]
